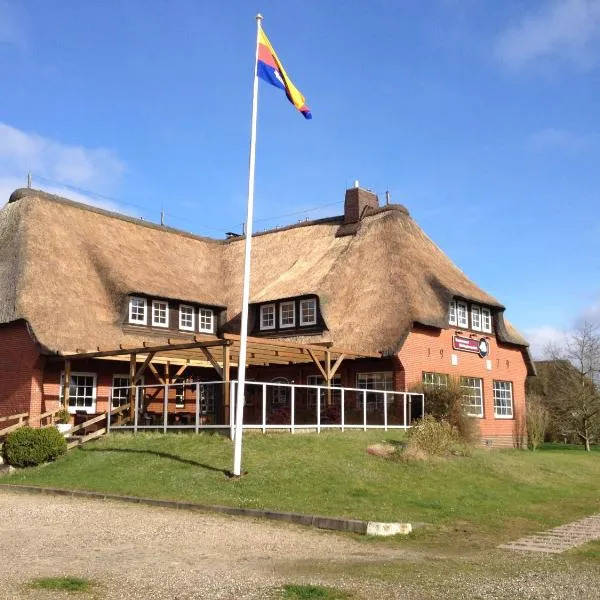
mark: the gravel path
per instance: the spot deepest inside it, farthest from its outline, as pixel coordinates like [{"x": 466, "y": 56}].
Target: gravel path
[{"x": 148, "y": 552}]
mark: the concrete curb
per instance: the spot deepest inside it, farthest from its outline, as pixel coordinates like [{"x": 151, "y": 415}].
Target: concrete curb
[{"x": 331, "y": 523}]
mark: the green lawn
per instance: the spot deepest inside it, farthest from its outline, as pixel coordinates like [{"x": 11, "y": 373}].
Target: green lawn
[{"x": 491, "y": 496}]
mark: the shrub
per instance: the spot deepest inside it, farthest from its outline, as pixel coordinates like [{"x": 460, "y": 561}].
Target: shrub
[
  {"x": 27, "y": 447},
  {"x": 538, "y": 419},
  {"x": 431, "y": 437},
  {"x": 332, "y": 414},
  {"x": 280, "y": 416},
  {"x": 62, "y": 416}
]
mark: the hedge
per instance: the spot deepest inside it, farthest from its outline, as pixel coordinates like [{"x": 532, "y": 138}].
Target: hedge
[{"x": 27, "y": 447}]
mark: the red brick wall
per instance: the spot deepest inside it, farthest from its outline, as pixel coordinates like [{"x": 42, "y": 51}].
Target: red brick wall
[
  {"x": 431, "y": 350},
  {"x": 20, "y": 371}
]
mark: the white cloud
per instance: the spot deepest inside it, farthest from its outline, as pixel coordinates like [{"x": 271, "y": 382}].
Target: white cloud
[
  {"x": 540, "y": 338},
  {"x": 564, "y": 29},
  {"x": 565, "y": 141},
  {"x": 56, "y": 166}
]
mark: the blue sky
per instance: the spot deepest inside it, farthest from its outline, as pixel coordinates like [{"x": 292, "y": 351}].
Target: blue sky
[{"x": 480, "y": 116}]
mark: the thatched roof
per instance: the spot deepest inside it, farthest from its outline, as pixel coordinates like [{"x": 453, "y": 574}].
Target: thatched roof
[{"x": 67, "y": 268}]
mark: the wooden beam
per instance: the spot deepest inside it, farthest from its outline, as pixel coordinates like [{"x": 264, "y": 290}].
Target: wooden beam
[
  {"x": 180, "y": 371},
  {"x": 156, "y": 373},
  {"x": 141, "y": 370},
  {"x": 337, "y": 364},
  {"x": 226, "y": 387},
  {"x": 132, "y": 388},
  {"x": 212, "y": 361},
  {"x": 316, "y": 361},
  {"x": 67, "y": 384}
]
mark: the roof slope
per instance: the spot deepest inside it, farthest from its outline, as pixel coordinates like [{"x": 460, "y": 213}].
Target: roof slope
[{"x": 372, "y": 286}]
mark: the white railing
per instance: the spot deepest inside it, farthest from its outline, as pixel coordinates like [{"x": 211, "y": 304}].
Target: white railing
[{"x": 268, "y": 406}]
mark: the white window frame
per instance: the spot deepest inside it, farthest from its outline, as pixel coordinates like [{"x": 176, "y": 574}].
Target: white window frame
[
  {"x": 280, "y": 394},
  {"x": 502, "y": 400},
  {"x": 73, "y": 409},
  {"x": 466, "y": 384},
  {"x": 462, "y": 320},
  {"x": 155, "y": 322},
  {"x": 374, "y": 380},
  {"x": 311, "y": 302},
  {"x": 434, "y": 379},
  {"x": 133, "y": 320},
  {"x": 486, "y": 320},
  {"x": 201, "y": 317},
  {"x": 263, "y": 308},
  {"x": 281, "y": 306},
  {"x": 452, "y": 313},
  {"x": 475, "y": 310},
  {"x": 140, "y": 390},
  {"x": 191, "y": 327}
]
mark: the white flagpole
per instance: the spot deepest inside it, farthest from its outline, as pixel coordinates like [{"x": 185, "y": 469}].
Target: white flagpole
[{"x": 239, "y": 403}]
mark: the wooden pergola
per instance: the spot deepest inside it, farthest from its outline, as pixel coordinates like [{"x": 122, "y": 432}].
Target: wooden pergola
[{"x": 219, "y": 353}]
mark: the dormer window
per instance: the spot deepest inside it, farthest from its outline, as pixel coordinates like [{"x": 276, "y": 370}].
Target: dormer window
[
  {"x": 308, "y": 311},
  {"x": 160, "y": 313},
  {"x": 469, "y": 316},
  {"x": 486, "y": 320},
  {"x": 186, "y": 317},
  {"x": 287, "y": 314},
  {"x": 476, "y": 317},
  {"x": 462, "y": 315},
  {"x": 267, "y": 316},
  {"x": 452, "y": 313},
  {"x": 206, "y": 320},
  {"x": 137, "y": 310}
]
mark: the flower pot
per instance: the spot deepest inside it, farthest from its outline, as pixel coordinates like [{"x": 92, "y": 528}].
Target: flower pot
[{"x": 64, "y": 428}]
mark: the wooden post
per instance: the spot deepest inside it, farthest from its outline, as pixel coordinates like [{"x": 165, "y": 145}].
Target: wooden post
[
  {"x": 132, "y": 382},
  {"x": 67, "y": 384},
  {"x": 328, "y": 371},
  {"x": 226, "y": 386}
]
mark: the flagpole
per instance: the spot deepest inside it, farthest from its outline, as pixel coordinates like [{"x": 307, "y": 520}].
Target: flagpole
[{"x": 239, "y": 403}]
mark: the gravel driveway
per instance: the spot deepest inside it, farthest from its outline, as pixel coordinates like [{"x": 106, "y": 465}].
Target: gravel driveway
[{"x": 149, "y": 552}]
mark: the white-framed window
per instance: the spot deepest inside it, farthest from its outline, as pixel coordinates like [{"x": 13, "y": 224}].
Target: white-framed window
[
  {"x": 382, "y": 380},
  {"x": 267, "y": 316},
  {"x": 186, "y": 317},
  {"x": 472, "y": 388},
  {"x": 486, "y": 320},
  {"x": 308, "y": 311},
  {"x": 287, "y": 314},
  {"x": 280, "y": 394},
  {"x": 137, "y": 310},
  {"x": 82, "y": 392},
  {"x": 120, "y": 391},
  {"x": 160, "y": 313},
  {"x": 179, "y": 391},
  {"x": 435, "y": 379},
  {"x": 452, "y": 313},
  {"x": 462, "y": 314},
  {"x": 207, "y": 398},
  {"x": 206, "y": 320},
  {"x": 503, "y": 400},
  {"x": 476, "y": 317}
]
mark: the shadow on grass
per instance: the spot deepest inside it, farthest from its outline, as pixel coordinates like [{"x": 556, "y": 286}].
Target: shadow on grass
[{"x": 185, "y": 461}]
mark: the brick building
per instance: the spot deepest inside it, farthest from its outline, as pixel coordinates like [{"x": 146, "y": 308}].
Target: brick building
[{"x": 77, "y": 279}]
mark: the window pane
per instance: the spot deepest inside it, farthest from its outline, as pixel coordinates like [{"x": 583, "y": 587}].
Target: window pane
[
  {"x": 472, "y": 395},
  {"x": 452, "y": 313},
  {"x": 503, "y": 404},
  {"x": 267, "y": 316},
  {"x": 463, "y": 317},
  {"x": 287, "y": 314},
  {"x": 476, "y": 317},
  {"x": 206, "y": 320},
  {"x": 308, "y": 312}
]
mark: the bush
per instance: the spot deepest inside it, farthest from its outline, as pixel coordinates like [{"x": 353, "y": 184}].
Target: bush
[
  {"x": 62, "y": 416},
  {"x": 538, "y": 419},
  {"x": 27, "y": 447},
  {"x": 430, "y": 437}
]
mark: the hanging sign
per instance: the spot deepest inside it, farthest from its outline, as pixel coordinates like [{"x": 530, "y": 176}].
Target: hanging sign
[{"x": 481, "y": 346}]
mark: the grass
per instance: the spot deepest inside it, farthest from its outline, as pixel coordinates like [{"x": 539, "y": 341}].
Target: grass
[
  {"x": 69, "y": 584},
  {"x": 491, "y": 496},
  {"x": 312, "y": 592}
]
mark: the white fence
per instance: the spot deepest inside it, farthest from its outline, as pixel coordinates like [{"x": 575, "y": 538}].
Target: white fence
[{"x": 200, "y": 406}]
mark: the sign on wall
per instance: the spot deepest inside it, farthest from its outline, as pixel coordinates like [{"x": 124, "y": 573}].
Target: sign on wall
[{"x": 478, "y": 346}]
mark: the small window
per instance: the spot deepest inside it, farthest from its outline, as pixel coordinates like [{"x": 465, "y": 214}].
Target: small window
[
  {"x": 207, "y": 319},
  {"x": 311, "y": 394},
  {"x": 82, "y": 392},
  {"x": 287, "y": 314},
  {"x": 308, "y": 311},
  {"x": 160, "y": 313},
  {"x": 503, "y": 400},
  {"x": 472, "y": 395},
  {"x": 120, "y": 391},
  {"x": 462, "y": 314},
  {"x": 179, "y": 392},
  {"x": 382, "y": 381},
  {"x": 435, "y": 379},
  {"x": 452, "y": 313},
  {"x": 267, "y": 316},
  {"x": 476, "y": 317},
  {"x": 486, "y": 320},
  {"x": 186, "y": 317},
  {"x": 137, "y": 310}
]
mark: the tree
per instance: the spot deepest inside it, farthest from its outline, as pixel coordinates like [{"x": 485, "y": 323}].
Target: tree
[{"x": 573, "y": 380}]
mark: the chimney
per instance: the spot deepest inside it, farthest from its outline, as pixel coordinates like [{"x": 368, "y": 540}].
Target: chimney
[{"x": 358, "y": 203}]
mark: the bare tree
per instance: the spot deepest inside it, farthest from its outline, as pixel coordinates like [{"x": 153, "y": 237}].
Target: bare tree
[{"x": 574, "y": 395}]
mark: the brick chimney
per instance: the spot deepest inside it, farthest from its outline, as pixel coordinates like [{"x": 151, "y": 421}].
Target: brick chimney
[{"x": 357, "y": 204}]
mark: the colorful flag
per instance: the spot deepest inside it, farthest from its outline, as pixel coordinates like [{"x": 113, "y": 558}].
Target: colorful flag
[{"x": 270, "y": 69}]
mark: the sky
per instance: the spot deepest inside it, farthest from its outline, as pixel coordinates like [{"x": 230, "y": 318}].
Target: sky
[{"x": 480, "y": 116}]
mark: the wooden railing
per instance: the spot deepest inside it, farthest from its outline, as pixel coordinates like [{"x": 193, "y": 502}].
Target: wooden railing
[
  {"x": 23, "y": 419},
  {"x": 81, "y": 427}
]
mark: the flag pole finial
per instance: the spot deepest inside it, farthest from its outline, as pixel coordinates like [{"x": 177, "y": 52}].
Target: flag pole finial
[{"x": 259, "y": 17}]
